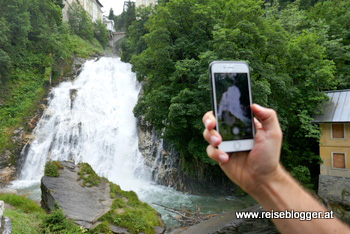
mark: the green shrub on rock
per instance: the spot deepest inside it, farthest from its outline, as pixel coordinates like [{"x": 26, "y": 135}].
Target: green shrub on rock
[
  {"x": 51, "y": 169},
  {"x": 88, "y": 175}
]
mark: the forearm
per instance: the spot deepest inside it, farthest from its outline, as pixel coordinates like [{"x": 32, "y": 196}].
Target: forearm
[{"x": 282, "y": 193}]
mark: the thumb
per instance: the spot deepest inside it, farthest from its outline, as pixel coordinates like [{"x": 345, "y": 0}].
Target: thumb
[{"x": 267, "y": 117}]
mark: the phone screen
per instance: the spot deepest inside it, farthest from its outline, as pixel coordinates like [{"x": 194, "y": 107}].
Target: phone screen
[{"x": 233, "y": 106}]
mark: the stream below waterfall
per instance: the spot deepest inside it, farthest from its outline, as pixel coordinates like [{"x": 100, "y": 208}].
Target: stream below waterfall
[{"x": 90, "y": 120}]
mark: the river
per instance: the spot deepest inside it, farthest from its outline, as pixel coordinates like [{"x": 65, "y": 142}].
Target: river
[{"x": 90, "y": 120}]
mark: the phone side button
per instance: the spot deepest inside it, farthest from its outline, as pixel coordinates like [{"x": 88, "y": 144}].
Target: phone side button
[{"x": 237, "y": 145}]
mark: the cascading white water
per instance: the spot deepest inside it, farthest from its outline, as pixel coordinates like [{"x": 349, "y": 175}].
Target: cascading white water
[{"x": 91, "y": 120}]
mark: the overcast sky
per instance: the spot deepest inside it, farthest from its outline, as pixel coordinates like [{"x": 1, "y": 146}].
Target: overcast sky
[{"x": 117, "y": 6}]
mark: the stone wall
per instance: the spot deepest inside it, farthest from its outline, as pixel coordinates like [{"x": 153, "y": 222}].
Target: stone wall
[{"x": 335, "y": 193}]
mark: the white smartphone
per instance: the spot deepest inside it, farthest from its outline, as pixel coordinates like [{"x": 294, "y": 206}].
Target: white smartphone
[{"x": 231, "y": 102}]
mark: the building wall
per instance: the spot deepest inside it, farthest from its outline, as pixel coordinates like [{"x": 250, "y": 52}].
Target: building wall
[
  {"x": 329, "y": 146},
  {"x": 90, "y": 6},
  {"x": 145, "y": 2}
]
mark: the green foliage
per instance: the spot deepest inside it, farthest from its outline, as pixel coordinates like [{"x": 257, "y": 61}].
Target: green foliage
[
  {"x": 23, "y": 223},
  {"x": 295, "y": 49},
  {"x": 80, "y": 22},
  {"x": 26, "y": 215},
  {"x": 125, "y": 19},
  {"x": 88, "y": 175},
  {"x": 52, "y": 169},
  {"x": 102, "y": 228},
  {"x": 136, "y": 43},
  {"x": 101, "y": 33},
  {"x": 302, "y": 174},
  {"x": 33, "y": 39},
  {"x": 56, "y": 222},
  {"x": 29, "y": 217},
  {"x": 129, "y": 212}
]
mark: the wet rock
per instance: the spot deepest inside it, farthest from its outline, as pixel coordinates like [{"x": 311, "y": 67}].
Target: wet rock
[
  {"x": 7, "y": 174},
  {"x": 2, "y": 210},
  {"x": 5, "y": 223},
  {"x": 7, "y": 227},
  {"x": 72, "y": 95},
  {"x": 42, "y": 107},
  {"x": 4, "y": 158}
]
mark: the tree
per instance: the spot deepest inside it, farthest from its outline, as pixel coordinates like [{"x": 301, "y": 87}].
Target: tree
[
  {"x": 80, "y": 22},
  {"x": 101, "y": 33},
  {"x": 288, "y": 48},
  {"x": 111, "y": 14}
]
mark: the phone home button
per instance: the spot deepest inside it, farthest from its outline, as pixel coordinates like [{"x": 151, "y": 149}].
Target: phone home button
[{"x": 237, "y": 145}]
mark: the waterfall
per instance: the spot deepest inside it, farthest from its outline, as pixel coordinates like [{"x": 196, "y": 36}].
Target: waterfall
[{"x": 90, "y": 120}]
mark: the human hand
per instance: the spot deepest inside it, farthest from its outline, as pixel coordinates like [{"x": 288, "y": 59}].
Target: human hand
[{"x": 251, "y": 169}]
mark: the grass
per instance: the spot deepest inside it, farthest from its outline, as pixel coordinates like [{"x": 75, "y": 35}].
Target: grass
[
  {"x": 88, "y": 175},
  {"x": 23, "y": 223},
  {"x": 22, "y": 203},
  {"x": 129, "y": 212},
  {"x": 26, "y": 216}
]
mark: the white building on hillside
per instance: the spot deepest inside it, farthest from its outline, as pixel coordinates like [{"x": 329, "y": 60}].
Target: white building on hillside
[
  {"x": 92, "y": 7},
  {"x": 146, "y": 2},
  {"x": 109, "y": 24}
]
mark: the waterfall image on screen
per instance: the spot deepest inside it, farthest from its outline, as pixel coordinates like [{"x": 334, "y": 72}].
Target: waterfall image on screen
[{"x": 233, "y": 106}]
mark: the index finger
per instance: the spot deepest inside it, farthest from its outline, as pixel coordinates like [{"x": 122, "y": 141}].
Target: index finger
[{"x": 209, "y": 120}]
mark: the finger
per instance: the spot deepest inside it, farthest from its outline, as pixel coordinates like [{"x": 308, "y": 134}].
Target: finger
[
  {"x": 268, "y": 117},
  {"x": 257, "y": 124},
  {"x": 217, "y": 155},
  {"x": 209, "y": 120},
  {"x": 212, "y": 137}
]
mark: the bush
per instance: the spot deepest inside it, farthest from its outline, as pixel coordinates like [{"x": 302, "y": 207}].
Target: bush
[
  {"x": 51, "y": 169},
  {"x": 88, "y": 175},
  {"x": 56, "y": 222}
]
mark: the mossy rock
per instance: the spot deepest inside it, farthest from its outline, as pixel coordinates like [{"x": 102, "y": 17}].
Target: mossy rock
[
  {"x": 129, "y": 212},
  {"x": 52, "y": 169},
  {"x": 88, "y": 175}
]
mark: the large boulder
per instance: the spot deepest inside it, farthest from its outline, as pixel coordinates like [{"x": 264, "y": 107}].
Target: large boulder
[{"x": 91, "y": 201}]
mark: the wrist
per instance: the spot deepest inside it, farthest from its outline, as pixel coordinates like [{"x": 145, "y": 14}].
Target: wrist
[{"x": 268, "y": 184}]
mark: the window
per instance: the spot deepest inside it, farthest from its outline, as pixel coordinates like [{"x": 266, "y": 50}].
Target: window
[
  {"x": 338, "y": 160},
  {"x": 338, "y": 131}
]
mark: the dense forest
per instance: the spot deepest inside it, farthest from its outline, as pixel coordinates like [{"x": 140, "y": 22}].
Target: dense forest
[
  {"x": 295, "y": 49},
  {"x": 33, "y": 43}
]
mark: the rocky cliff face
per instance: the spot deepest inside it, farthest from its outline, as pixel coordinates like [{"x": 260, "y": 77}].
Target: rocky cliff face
[
  {"x": 94, "y": 201},
  {"x": 165, "y": 164}
]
